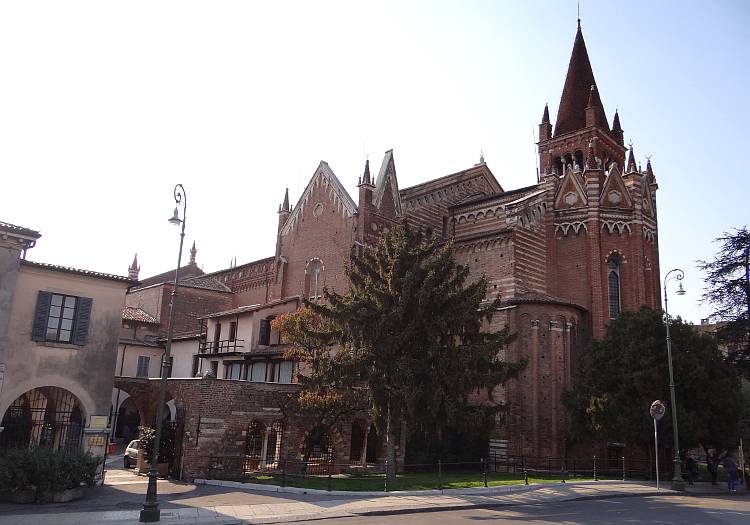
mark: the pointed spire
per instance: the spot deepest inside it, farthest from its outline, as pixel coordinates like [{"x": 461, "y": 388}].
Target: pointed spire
[
  {"x": 592, "y": 97},
  {"x": 366, "y": 176},
  {"x": 616, "y": 122},
  {"x": 631, "y": 168},
  {"x": 649, "y": 170},
  {"x": 285, "y": 205},
  {"x": 193, "y": 251},
  {"x": 571, "y": 115},
  {"x": 617, "y": 133},
  {"x": 545, "y": 115},
  {"x": 134, "y": 269}
]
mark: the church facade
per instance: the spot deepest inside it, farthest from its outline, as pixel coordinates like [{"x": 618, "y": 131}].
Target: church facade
[{"x": 565, "y": 254}]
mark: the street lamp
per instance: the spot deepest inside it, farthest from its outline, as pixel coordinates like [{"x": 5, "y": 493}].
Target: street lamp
[
  {"x": 150, "y": 511},
  {"x": 677, "y": 482}
]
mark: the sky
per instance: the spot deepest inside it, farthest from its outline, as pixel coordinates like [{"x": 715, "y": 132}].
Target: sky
[{"x": 105, "y": 106}]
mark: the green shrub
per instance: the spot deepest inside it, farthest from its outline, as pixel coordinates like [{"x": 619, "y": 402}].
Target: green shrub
[{"x": 43, "y": 470}]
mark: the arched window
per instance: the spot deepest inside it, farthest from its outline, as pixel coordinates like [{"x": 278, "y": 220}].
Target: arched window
[
  {"x": 613, "y": 281},
  {"x": 568, "y": 160},
  {"x": 314, "y": 279},
  {"x": 579, "y": 158},
  {"x": 557, "y": 166}
]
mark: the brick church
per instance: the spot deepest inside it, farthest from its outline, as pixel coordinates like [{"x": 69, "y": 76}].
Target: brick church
[{"x": 565, "y": 254}]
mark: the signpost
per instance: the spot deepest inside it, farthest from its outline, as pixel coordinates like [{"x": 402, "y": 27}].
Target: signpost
[{"x": 657, "y": 411}]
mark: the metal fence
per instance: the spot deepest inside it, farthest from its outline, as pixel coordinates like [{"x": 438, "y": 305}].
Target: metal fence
[
  {"x": 46, "y": 417},
  {"x": 327, "y": 474}
]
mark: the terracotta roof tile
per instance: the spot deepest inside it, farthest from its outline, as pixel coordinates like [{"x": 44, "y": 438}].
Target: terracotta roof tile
[
  {"x": 189, "y": 270},
  {"x": 78, "y": 271},
  {"x": 19, "y": 230},
  {"x": 131, "y": 313}
]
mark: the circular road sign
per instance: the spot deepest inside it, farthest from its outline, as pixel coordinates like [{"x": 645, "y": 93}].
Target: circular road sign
[{"x": 657, "y": 410}]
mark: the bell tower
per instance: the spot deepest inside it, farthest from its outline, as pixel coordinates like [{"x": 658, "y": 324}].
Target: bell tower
[{"x": 581, "y": 120}]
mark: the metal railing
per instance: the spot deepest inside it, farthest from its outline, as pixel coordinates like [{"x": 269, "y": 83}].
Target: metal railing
[
  {"x": 325, "y": 473},
  {"x": 221, "y": 347}
]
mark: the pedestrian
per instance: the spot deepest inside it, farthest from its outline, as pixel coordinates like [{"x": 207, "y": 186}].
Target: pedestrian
[
  {"x": 691, "y": 467},
  {"x": 712, "y": 464},
  {"x": 730, "y": 469}
]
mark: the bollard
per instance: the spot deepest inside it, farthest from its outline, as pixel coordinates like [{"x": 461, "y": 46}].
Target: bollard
[
  {"x": 623, "y": 468},
  {"x": 330, "y": 464},
  {"x": 440, "y": 475},
  {"x": 385, "y": 487},
  {"x": 484, "y": 466},
  {"x": 283, "y": 473},
  {"x": 596, "y": 478}
]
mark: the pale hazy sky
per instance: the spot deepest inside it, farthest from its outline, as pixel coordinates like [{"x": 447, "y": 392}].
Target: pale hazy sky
[{"x": 105, "y": 106}]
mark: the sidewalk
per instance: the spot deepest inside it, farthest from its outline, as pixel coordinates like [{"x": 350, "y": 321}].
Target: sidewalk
[{"x": 393, "y": 503}]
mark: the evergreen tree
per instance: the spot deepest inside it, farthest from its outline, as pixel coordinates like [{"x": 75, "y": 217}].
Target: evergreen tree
[
  {"x": 619, "y": 377},
  {"x": 728, "y": 290},
  {"x": 410, "y": 328}
]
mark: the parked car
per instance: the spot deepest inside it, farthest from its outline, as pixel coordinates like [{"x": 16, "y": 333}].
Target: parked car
[{"x": 131, "y": 453}]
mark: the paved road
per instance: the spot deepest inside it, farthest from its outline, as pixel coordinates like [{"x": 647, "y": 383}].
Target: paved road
[
  {"x": 676, "y": 510},
  {"x": 123, "y": 490}
]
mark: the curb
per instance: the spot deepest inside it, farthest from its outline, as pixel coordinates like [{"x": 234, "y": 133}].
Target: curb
[{"x": 471, "y": 491}]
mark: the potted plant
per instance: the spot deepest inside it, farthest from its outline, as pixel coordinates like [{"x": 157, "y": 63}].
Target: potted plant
[{"x": 147, "y": 435}]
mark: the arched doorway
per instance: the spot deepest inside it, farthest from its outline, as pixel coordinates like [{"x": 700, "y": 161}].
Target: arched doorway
[
  {"x": 357, "y": 441},
  {"x": 372, "y": 445},
  {"x": 47, "y": 416},
  {"x": 128, "y": 420}
]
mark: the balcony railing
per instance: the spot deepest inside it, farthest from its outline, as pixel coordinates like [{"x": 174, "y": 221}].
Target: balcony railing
[{"x": 221, "y": 347}]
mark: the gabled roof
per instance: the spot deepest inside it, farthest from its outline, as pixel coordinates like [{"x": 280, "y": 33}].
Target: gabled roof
[
  {"x": 251, "y": 308},
  {"x": 571, "y": 115},
  {"x": 571, "y": 183},
  {"x": 453, "y": 178},
  {"x": 323, "y": 174},
  {"x": 387, "y": 178},
  {"x": 614, "y": 192},
  {"x": 189, "y": 270},
  {"x": 206, "y": 283}
]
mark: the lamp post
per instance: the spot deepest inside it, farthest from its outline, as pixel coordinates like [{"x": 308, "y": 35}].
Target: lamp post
[
  {"x": 677, "y": 482},
  {"x": 150, "y": 511}
]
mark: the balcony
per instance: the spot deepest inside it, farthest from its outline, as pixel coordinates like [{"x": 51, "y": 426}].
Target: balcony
[{"x": 207, "y": 348}]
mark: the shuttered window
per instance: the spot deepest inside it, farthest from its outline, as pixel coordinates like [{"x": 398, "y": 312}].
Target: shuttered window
[
  {"x": 61, "y": 318},
  {"x": 143, "y": 362}
]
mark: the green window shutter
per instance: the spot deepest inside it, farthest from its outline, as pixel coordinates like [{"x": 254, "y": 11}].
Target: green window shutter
[
  {"x": 80, "y": 335},
  {"x": 39, "y": 330}
]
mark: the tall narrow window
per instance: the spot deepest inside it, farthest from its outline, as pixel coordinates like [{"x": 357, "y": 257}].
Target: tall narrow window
[
  {"x": 613, "y": 280},
  {"x": 314, "y": 279},
  {"x": 232, "y": 331},
  {"x": 217, "y": 337},
  {"x": 143, "y": 362},
  {"x": 264, "y": 335}
]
